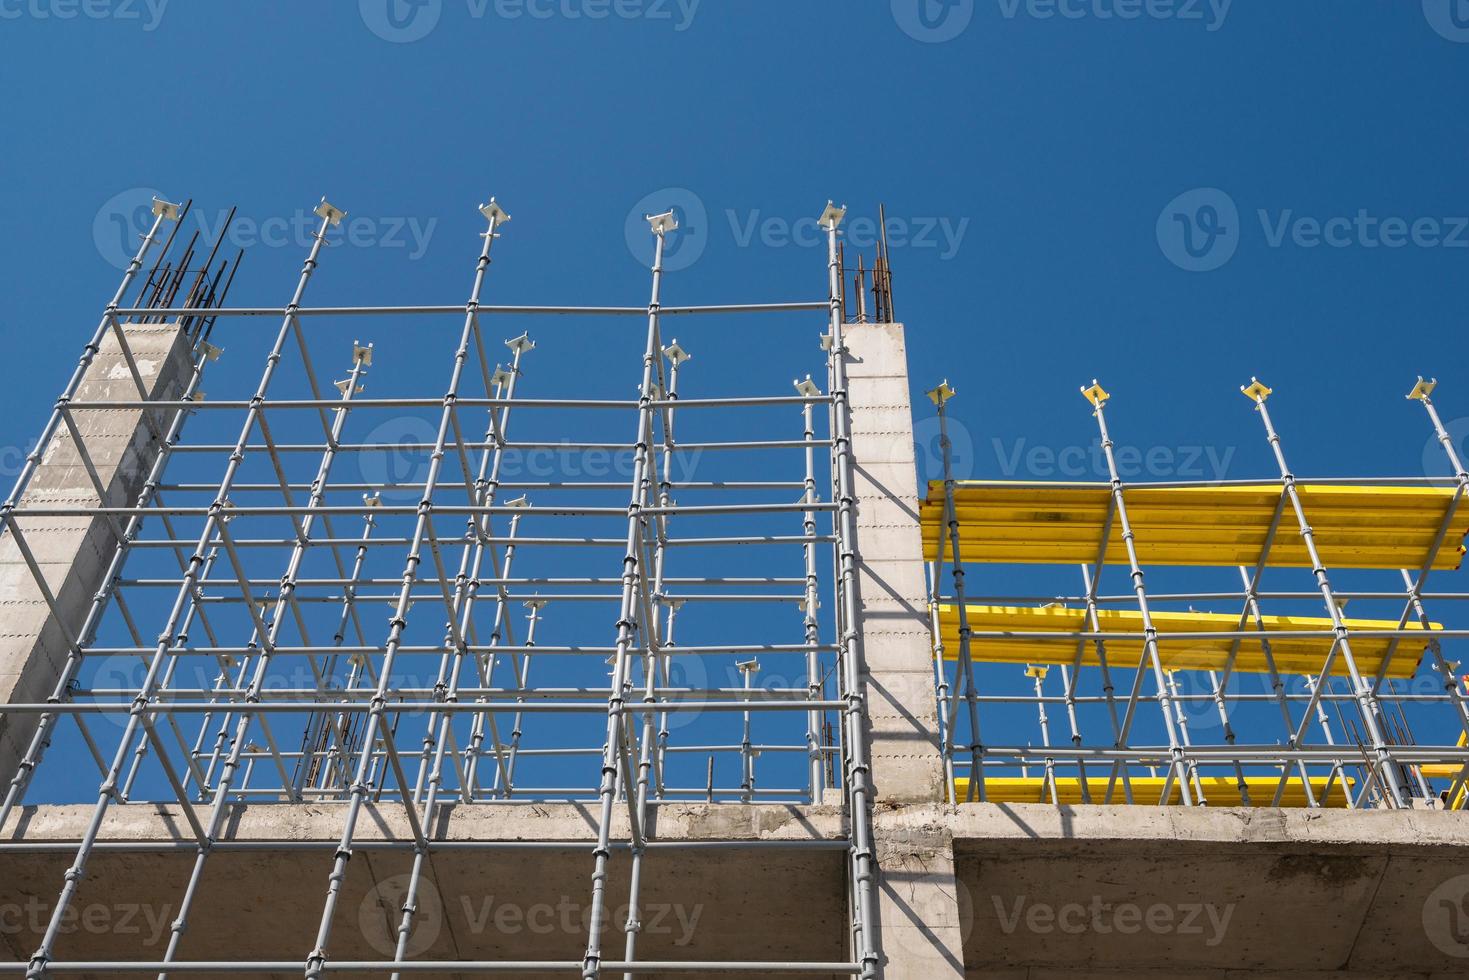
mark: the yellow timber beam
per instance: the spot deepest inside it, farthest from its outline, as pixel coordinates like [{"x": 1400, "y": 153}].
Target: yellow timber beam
[
  {"x": 1148, "y": 790},
  {"x": 1357, "y": 526},
  {"x": 1293, "y": 654}
]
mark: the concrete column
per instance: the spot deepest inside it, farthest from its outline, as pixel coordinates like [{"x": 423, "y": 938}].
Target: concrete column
[
  {"x": 918, "y": 905},
  {"x": 73, "y": 552},
  {"x": 902, "y": 705}
]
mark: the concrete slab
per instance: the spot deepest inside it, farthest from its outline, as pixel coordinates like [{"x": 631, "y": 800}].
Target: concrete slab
[{"x": 481, "y": 904}]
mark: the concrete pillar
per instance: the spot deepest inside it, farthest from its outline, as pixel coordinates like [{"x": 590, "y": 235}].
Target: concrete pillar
[
  {"x": 902, "y": 706},
  {"x": 918, "y": 906},
  {"x": 73, "y": 552}
]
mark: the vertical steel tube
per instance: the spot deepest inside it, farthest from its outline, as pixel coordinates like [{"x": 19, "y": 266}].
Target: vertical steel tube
[
  {"x": 1366, "y": 702},
  {"x": 375, "y": 714},
  {"x": 627, "y": 624},
  {"x": 1098, "y": 398},
  {"x": 859, "y": 791}
]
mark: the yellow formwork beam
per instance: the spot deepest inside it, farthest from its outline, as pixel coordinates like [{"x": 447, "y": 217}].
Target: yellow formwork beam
[
  {"x": 1148, "y": 790},
  {"x": 1293, "y": 654},
  {"x": 1061, "y": 523}
]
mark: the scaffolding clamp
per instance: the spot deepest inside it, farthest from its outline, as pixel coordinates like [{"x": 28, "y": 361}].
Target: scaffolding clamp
[
  {"x": 330, "y": 212},
  {"x": 1095, "y": 393},
  {"x": 165, "y": 209},
  {"x": 662, "y": 224},
  {"x": 832, "y": 216},
  {"x": 942, "y": 393},
  {"x": 1256, "y": 391},
  {"x": 675, "y": 353},
  {"x": 1423, "y": 389},
  {"x": 807, "y": 388},
  {"x": 493, "y": 212}
]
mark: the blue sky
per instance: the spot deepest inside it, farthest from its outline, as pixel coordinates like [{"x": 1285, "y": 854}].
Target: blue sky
[
  {"x": 1031, "y": 156},
  {"x": 1167, "y": 195}
]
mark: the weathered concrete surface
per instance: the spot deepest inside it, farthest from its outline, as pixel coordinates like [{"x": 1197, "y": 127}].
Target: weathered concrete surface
[
  {"x": 901, "y": 704},
  {"x": 73, "y": 552},
  {"x": 507, "y": 904},
  {"x": 1202, "y": 892},
  {"x": 917, "y": 903}
]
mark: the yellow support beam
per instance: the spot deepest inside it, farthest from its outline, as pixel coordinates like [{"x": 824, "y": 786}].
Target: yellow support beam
[
  {"x": 1293, "y": 654},
  {"x": 1061, "y": 523},
  {"x": 1148, "y": 790}
]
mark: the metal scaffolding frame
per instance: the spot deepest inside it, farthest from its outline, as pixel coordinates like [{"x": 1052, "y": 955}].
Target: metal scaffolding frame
[
  {"x": 269, "y": 571},
  {"x": 1345, "y": 736}
]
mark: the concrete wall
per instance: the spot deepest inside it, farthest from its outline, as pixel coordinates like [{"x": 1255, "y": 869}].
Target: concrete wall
[{"x": 73, "y": 552}]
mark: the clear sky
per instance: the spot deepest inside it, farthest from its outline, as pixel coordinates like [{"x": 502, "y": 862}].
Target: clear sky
[
  {"x": 1033, "y": 157},
  {"x": 1167, "y": 195}
]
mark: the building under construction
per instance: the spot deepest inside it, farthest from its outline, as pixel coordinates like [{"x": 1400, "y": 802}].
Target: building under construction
[{"x": 336, "y": 672}]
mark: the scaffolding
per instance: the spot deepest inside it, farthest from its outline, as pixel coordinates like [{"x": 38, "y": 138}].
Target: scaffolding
[
  {"x": 1167, "y": 701},
  {"x": 233, "y": 655}
]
